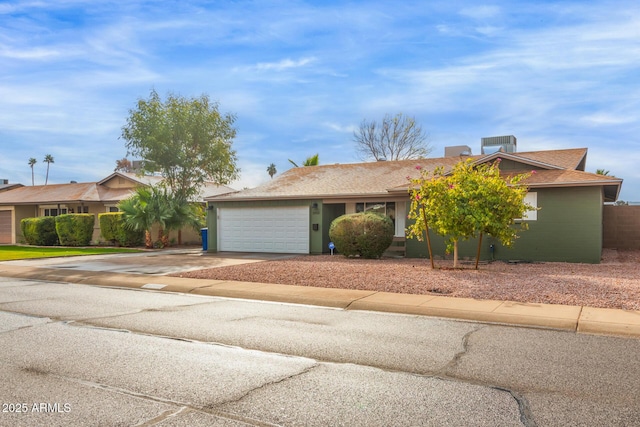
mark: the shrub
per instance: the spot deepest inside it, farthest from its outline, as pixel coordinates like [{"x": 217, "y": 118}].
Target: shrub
[
  {"x": 75, "y": 229},
  {"x": 362, "y": 234},
  {"x": 113, "y": 229},
  {"x": 39, "y": 231}
]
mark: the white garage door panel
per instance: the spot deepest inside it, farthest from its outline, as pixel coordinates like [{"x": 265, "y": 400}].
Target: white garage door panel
[{"x": 267, "y": 229}]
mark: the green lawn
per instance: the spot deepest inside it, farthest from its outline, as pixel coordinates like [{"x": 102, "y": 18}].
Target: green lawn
[{"x": 22, "y": 252}]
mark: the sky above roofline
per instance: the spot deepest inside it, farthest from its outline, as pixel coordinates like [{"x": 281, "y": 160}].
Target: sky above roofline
[{"x": 301, "y": 76}]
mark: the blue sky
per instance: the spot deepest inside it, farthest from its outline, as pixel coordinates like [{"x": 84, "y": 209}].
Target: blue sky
[{"x": 301, "y": 76}]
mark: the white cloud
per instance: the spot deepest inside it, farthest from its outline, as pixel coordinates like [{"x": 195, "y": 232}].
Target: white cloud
[
  {"x": 341, "y": 128},
  {"x": 606, "y": 119},
  {"x": 29, "y": 54},
  {"x": 283, "y": 65},
  {"x": 481, "y": 12}
]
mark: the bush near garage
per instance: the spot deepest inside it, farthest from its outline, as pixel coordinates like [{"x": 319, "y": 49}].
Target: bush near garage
[
  {"x": 39, "y": 231},
  {"x": 113, "y": 230},
  {"x": 75, "y": 229},
  {"x": 365, "y": 234}
]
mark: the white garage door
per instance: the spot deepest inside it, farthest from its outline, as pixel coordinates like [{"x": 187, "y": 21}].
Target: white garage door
[{"x": 264, "y": 229}]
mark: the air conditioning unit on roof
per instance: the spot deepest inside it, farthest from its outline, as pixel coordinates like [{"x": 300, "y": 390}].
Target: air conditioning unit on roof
[{"x": 492, "y": 144}]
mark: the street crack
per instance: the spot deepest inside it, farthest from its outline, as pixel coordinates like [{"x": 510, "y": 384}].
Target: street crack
[
  {"x": 268, "y": 384},
  {"x": 526, "y": 416},
  {"x": 453, "y": 363}
]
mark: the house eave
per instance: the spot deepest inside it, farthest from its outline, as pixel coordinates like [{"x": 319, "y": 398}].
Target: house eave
[
  {"x": 516, "y": 158},
  {"x": 298, "y": 197}
]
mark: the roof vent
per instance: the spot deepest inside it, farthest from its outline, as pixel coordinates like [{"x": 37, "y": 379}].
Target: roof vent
[
  {"x": 505, "y": 144},
  {"x": 457, "y": 150}
]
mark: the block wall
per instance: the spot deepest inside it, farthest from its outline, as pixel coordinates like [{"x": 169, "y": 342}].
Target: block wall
[{"x": 621, "y": 227}]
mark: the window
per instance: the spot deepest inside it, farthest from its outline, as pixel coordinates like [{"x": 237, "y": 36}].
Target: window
[
  {"x": 532, "y": 215},
  {"x": 82, "y": 209},
  {"x": 383, "y": 208},
  {"x": 54, "y": 211},
  {"x": 112, "y": 208}
]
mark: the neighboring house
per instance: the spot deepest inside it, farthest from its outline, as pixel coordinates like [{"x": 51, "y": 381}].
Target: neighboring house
[
  {"x": 86, "y": 197},
  {"x": 292, "y": 213}
]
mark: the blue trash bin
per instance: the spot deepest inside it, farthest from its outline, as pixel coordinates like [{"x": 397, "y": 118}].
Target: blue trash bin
[{"x": 205, "y": 242}]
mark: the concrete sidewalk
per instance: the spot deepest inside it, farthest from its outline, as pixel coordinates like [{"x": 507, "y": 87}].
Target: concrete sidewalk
[{"x": 573, "y": 318}]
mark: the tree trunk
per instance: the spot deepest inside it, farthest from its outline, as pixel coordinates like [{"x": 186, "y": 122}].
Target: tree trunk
[
  {"x": 455, "y": 254},
  {"x": 478, "y": 252},
  {"x": 148, "y": 243},
  {"x": 426, "y": 226}
]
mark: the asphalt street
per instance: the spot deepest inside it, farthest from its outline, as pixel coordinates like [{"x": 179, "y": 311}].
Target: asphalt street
[{"x": 87, "y": 355}]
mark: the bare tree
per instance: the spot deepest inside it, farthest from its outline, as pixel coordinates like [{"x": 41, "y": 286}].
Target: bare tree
[{"x": 396, "y": 138}]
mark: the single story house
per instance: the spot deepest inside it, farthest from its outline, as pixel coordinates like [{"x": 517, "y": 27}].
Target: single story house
[
  {"x": 292, "y": 213},
  {"x": 87, "y": 197}
]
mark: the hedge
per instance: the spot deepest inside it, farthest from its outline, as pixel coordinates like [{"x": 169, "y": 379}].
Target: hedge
[
  {"x": 113, "y": 230},
  {"x": 39, "y": 231},
  {"x": 364, "y": 234},
  {"x": 75, "y": 229}
]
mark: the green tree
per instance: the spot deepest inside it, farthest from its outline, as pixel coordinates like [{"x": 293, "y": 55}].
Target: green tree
[
  {"x": 470, "y": 201},
  {"x": 188, "y": 140},
  {"x": 396, "y": 137},
  {"x": 32, "y": 163},
  {"x": 310, "y": 161},
  {"x": 271, "y": 170},
  {"x": 602, "y": 172},
  {"x": 48, "y": 159}
]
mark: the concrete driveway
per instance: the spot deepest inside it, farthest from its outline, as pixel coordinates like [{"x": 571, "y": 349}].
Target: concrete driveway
[{"x": 153, "y": 262}]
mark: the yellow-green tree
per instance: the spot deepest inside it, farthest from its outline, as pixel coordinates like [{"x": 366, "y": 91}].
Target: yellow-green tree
[{"x": 470, "y": 201}]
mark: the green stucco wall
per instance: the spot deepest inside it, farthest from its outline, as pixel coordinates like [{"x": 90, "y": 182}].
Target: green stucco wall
[{"x": 568, "y": 228}]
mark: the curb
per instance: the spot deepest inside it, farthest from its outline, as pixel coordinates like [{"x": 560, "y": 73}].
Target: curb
[{"x": 581, "y": 319}]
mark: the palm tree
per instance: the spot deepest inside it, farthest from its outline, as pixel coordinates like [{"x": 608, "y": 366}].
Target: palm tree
[
  {"x": 145, "y": 208},
  {"x": 183, "y": 214},
  {"x": 602, "y": 172},
  {"x": 311, "y": 161},
  {"x": 271, "y": 170},
  {"x": 32, "y": 163},
  {"x": 48, "y": 159}
]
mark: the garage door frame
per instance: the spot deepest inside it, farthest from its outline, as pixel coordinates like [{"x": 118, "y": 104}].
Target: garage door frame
[{"x": 267, "y": 229}]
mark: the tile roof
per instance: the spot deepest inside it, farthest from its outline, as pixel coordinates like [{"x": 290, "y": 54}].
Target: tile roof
[
  {"x": 52, "y": 193},
  {"x": 90, "y": 191},
  {"x": 387, "y": 177}
]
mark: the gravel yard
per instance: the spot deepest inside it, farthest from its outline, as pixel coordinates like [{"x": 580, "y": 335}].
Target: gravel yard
[{"x": 615, "y": 283}]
